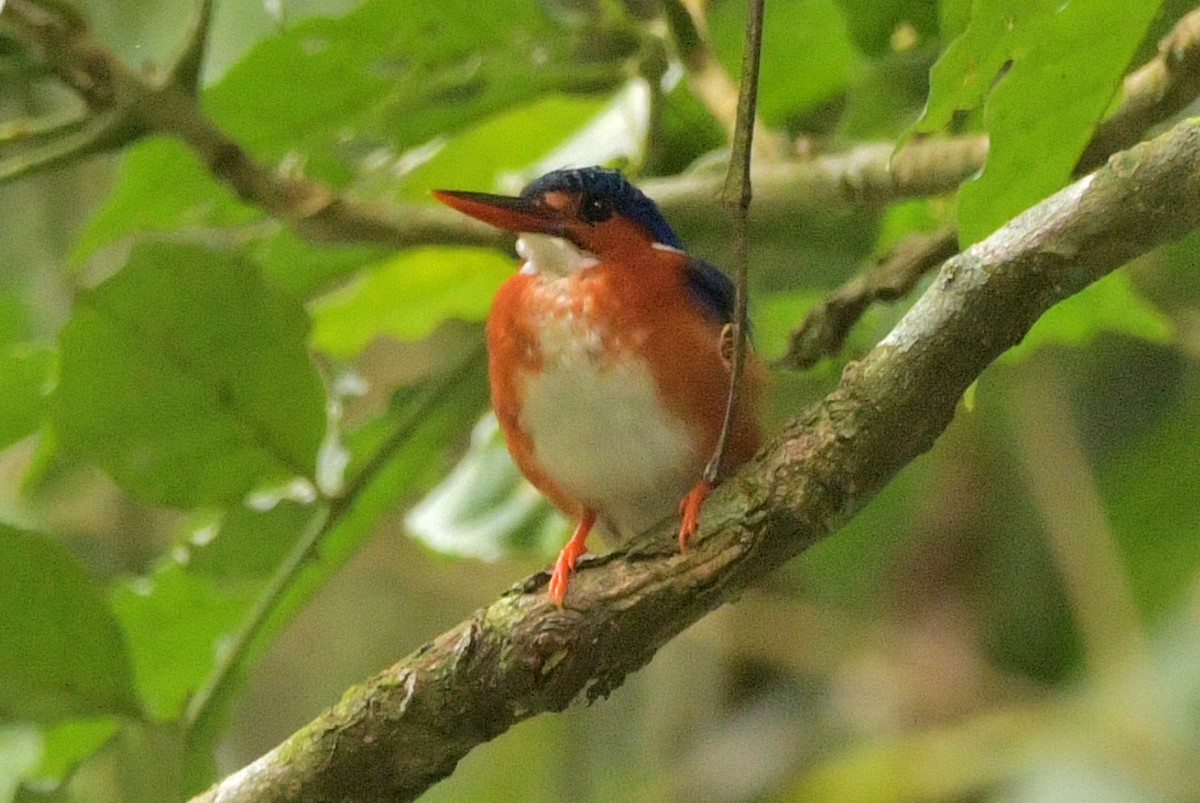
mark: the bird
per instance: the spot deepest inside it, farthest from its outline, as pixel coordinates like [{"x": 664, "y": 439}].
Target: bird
[{"x": 609, "y": 357}]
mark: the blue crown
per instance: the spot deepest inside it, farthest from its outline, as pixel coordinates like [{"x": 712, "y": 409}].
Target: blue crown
[
  {"x": 708, "y": 285},
  {"x": 604, "y": 182}
]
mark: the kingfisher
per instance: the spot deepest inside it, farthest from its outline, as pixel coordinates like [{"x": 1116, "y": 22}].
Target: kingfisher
[{"x": 609, "y": 357}]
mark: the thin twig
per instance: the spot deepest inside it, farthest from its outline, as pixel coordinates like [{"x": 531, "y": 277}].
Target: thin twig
[
  {"x": 825, "y": 328},
  {"x": 736, "y": 197},
  {"x": 66, "y": 144}
]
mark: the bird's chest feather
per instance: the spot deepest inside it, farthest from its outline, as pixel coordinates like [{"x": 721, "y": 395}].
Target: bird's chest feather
[{"x": 587, "y": 402}]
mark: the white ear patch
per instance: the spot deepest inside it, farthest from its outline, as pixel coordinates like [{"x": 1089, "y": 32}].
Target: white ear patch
[{"x": 552, "y": 256}]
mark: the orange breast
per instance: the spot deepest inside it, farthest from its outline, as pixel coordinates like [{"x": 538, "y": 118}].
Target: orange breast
[{"x": 610, "y": 387}]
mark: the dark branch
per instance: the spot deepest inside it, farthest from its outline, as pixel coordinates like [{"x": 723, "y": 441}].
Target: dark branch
[
  {"x": 825, "y": 328},
  {"x": 401, "y": 731}
]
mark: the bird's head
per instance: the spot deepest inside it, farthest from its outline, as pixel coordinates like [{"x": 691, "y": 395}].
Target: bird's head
[{"x": 572, "y": 219}]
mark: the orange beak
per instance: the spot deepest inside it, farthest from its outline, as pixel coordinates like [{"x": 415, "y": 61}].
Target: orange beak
[{"x": 506, "y": 212}]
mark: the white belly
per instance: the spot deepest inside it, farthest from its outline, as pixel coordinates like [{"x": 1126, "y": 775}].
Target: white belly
[{"x": 601, "y": 432}]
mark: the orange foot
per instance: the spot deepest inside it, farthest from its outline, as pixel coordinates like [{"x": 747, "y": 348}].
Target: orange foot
[
  {"x": 570, "y": 554},
  {"x": 689, "y": 508}
]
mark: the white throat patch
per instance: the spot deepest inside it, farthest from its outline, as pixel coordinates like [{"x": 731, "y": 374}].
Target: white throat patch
[{"x": 552, "y": 256}]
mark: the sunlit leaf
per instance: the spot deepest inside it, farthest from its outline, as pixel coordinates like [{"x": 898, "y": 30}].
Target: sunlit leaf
[
  {"x": 807, "y": 56},
  {"x": 61, "y": 653},
  {"x": 188, "y": 379},
  {"x": 25, "y": 372},
  {"x": 509, "y": 142},
  {"x": 1048, "y": 70},
  {"x": 388, "y": 75},
  {"x": 407, "y": 296},
  {"x": 775, "y": 317},
  {"x": 67, "y": 743},
  {"x": 484, "y": 508}
]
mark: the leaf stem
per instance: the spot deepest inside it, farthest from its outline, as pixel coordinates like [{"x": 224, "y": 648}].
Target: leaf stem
[{"x": 220, "y": 682}]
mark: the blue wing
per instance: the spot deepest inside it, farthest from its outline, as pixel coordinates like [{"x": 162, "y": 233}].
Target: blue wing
[{"x": 712, "y": 289}]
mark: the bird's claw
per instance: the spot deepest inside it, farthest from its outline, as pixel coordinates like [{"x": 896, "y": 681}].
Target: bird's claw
[{"x": 689, "y": 509}]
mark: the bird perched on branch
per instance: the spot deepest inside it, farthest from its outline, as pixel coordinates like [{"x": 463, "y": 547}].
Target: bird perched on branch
[{"x": 608, "y": 357}]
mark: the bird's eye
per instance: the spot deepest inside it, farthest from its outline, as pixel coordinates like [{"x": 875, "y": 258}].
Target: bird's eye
[{"x": 593, "y": 209}]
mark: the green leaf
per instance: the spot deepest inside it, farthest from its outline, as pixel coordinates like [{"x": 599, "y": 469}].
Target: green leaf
[
  {"x": 776, "y": 315},
  {"x": 432, "y": 421},
  {"x": 177, "y": 618},
  {"x": 808, "y": 55},
  {"x": 188, "y": 380},
  {"x": 14, "y": 319},
  {"x": 65, "y": 744},
  {"x": 174, "y": 621},
  {"x": 387, "y": 76},
  {"x": 243, "y": 543},
  {"x": 25, "y": 375},
  {"x": 407, "y": 296},
  {"x": 1149, "y": 495},
  {"x": 507, "y": 142},
  {"x": 416, "y": 435},
  {"x": 1109, "y": 305},
  {"x": 953, "y": 17},
  {"x": 162, "y": 186},
  {"x": 1063, "y": 63},
  {"x": 26, "y": 372},
  {"x": 61, "y": 653},
  {"x": 686, "y": 131},
  {"x": 965, "y": 73}
]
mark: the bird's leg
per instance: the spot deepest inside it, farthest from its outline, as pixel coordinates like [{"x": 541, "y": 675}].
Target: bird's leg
[
  {"x": 689, "y": 508},
  {"x": 569, "y": 555}
]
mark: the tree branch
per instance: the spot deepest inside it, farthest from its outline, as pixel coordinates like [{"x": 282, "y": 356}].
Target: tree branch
[{"x": 404, "y": 729}]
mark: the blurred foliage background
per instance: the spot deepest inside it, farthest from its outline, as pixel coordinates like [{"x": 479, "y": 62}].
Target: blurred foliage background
[{"x": 190, "y": 392}]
